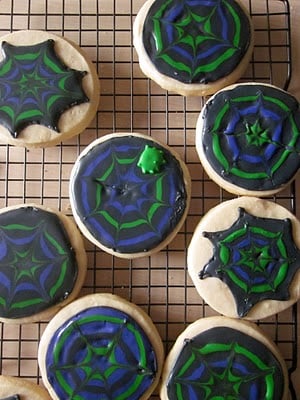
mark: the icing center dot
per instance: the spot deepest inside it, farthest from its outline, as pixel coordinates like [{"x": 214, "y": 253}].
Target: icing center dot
[{"x": 256, "y": 135}]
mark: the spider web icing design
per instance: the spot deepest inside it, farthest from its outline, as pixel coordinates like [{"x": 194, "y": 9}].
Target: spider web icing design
[
  {"x": 256, "y": 258},
  {"x": 38, "y": 268},
  {"x": 100, "y": 353},
  {"x": 36, "y": 87},
  {"x": 196, "y": 41},
  {"x": 223, "y": 363},
  {"x": 251, "y": 136},
  {"x": 124, "y": 208}
]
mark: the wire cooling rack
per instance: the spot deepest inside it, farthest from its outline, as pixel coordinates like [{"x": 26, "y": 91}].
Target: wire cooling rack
[{"x": 130, "y": 102}]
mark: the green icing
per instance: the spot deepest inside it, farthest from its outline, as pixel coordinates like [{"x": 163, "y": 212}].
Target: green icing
[
  {"x": 250, "y": 137},
  {"x": 151, "y": 160},
  {"x": 256, "y": 135},
  {"x": 38, "y": 267},
  {"x": 255, "y": 258}
]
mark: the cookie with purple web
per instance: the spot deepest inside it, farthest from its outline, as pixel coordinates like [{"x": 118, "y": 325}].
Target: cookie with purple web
[
  {"x": 129, "y": 194},
  {"x": 42, "y": 262}
]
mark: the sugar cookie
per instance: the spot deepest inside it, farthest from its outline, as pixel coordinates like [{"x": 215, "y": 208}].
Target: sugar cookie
[
  {"x": 129, "y": 194},
  {"x": 244, "y": 258},
  {"x": 42, "y": 262},
  {"x": 12, "y": 388},
  {"x": 101, "y": 346},
  {"x": 193, "y": 48},
  {"x": 248, "y": 139},
  {"x": 222, "y": 358},
  {"x": 49, "y": 89}
]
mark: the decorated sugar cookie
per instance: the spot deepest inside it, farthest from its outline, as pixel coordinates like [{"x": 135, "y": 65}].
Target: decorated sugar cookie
[
  {"x": 49, "y": 90},
  {"x": 222, "y": 358},
  {"x": 248, "y": 139},
  {"x": 42, "y": 262},
  {"x": 244, "y": 258},
  {"x": 193, "y": 48},
  {"x": 101, "y": 346},
  {"x": 129, "y": 194}
]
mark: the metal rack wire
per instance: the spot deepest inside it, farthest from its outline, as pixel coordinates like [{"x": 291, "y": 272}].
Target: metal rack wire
[{"x": 130, "y": 102}]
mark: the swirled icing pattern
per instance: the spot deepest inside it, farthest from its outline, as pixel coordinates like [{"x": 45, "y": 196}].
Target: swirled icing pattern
[
  {"x": 251, "y": 136},
  {"x": 128, "y": 205},
  {"x": 223, "y": 363},
  {"x": 36, "y": 87},
  {"x": 196, "y": 41},
  {"x": 38, "y": 268},
  {"x": 256, "y": 258},
  {"x": 100, "y": 353}
]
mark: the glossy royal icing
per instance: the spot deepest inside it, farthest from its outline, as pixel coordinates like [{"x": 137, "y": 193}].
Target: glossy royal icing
[
  {"x": 196, "y": 41},
  {"x": 38, "y": 268},
  {"x": 250, "y": 136},
  {"x": 256, "y": 258},
  {"x": 101, "y": 352},
  {"x": 36, "y": 87},
  {"x": 224, "y": 363},
  {"x": 128, "y": 201}
]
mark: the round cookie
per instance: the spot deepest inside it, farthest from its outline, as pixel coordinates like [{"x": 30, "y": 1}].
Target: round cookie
[
  {"x": 12, "y": 388},
  {"x": 49, "y": 89},
  {"x": 221, "y": 358},
  {"x": 244, "y": 258},
  {"x": 42, "y": 262},
  {"x": 248, "y": 139},
  {"x": 101, "y": 346},
  {"x": 129, "y": 194},
  {"x": 193, "y": 48}
]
